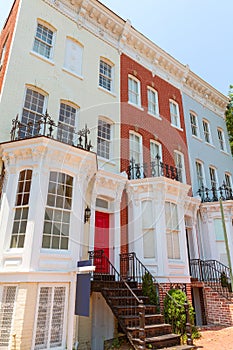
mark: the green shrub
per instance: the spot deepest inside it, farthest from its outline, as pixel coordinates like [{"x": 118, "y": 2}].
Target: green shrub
[
  {"x": 175, "y": 315},
  {"x": 149, "y": 289}
]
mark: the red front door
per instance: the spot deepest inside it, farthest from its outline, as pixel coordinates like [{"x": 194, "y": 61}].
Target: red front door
[{"x": 102, "y": 239}]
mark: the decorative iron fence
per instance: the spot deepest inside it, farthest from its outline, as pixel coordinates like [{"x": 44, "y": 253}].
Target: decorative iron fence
[
  {"x": 214, "y": 194},
  {"x": 46, "y": 126},
  {"x": 155, "y": 169}
]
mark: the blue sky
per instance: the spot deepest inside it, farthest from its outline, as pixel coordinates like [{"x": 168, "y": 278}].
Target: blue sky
[{"x": 195, "y": 32}]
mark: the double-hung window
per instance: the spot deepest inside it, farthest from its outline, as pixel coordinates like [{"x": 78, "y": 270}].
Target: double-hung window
[
  {"x": 156, "y": 158},
  {"x": 153, "y": 103},
  {"x": 172, "y": 230},
  {"x": 67, "y": 123},
  {"x": 104, "y": 139},
  {"x": 228, "y": 180},
  {"x": 174, "y": 113},
  {"x": 50, "y": 327},
  {"x": 134, "y": 91},
  {"x": 148, "y": 229},
  {"x": 194, "y": 124},
  {"x": 21, "y": 209},
  {"x": 200, "y": 174},
  {"x": 206, "y": 130},
  {"x": 179, "y": 162},
  {"x": 106, "y": 75},
  {"x": 33, "y": 110},
  {"x": 221, "y": 139},
  {"x": 213, "y": 177},
  {"x": 58, "y": 211},
  {"x": 135, "y": 153},
  {"x": 44, "y": 39}
]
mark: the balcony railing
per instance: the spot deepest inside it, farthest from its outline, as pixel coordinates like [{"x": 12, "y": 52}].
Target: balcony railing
[
  {"x": 155, "y": 169},
  {"x": 214, "y": 194},
  {"x": 46, "y": 126}
]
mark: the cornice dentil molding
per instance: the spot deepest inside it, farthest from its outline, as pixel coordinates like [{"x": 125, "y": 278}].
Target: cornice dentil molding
[{"x": 109, "y": 27}]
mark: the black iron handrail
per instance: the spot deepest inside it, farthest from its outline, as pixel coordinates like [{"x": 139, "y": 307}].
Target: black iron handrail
[
  {"x": 134, "y": 270},
  {"x": 156, "y": 169},
  {"x": 46, "y": 126},
  {"x": 105, "y": 271},
  {"x": 214, "y": 273},
  {"x": 214, "y": 194}
]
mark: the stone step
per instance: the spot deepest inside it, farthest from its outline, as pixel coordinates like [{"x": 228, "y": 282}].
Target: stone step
[
  {"x": 123, "y": 310},
  {"x": 133, "y": 320},
  {"x": 128, "y": 301},
  {"x": 121, "y": 291},
  {"x": 152, "y": 330},
  {"x": 161, "y": 342}
]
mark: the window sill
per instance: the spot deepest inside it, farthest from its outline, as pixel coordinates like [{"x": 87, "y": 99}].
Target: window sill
[
  {"x": 47, "y": 60},
  {"x": 136, "y": 106},
  {"x": 197, "y": 138},
  {"x": 224, "y": 152},
  {"x": 157, "y": 116},
  {"x": 107, "y": 91},
  {"x": 72, "y": 73},
  {"x": 210, "y": 144},
  {"x": 177, "y": 127}
]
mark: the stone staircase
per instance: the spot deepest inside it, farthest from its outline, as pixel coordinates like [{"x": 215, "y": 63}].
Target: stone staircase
[{"x": 158, "y": 334}]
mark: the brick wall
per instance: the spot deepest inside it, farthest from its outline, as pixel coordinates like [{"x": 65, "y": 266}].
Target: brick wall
[
  {"x": 165, "y": 287},
  {"x": 6, "y": 38},
  {"x": 147, "y": 126}
]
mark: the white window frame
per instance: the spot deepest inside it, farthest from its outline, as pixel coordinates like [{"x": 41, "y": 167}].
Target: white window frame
[
  {"x": 58, "y": 211},
  {"x": 50, "y": 318},
  {"x": 180, "y": 165},
  {"x": 27, "y": 111},
  {"x": 102, "y": 150},
  {"x": 42, "y": 42},
  {"x": 153, "y": 103},
  {"x": 228, "y": 180},
  {"x": 106, "y": 81},
  {"x": 221, "y": 139},
  {"x": 200, "y": 177},
  {"x": 132, "y": 141},
  {"x": 206, "y": 131},
  {"x": 134, "y": 93},
  {"x": 174, "y": 115},
  {"x": 73, "y": 65},
  {"x": 148, "y": 230},
  {"x": 213, "y": 177},
  {"x": 172, "y": 231},
  {"x": 158, "y": 144},
  {"x": 194, "y": 124},
  {"x": 6, "y": 315},
  {"x": 21, "y": 209},
  {"x": 65, "y": 130}
]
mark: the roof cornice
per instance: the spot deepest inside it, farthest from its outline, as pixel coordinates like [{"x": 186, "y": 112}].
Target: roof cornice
[{"x": 104, "y": 23}]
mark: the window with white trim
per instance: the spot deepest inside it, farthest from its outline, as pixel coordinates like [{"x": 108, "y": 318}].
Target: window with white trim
[
  {"x": 134, "y": 91},
  {"x": 206, "y": 130},
  {"x": 148, "y": 230},
  {"x": 135, "y": 154},
  {"x": 73, "y": 56},
  {"x": 153, "y": 102},
  {"x": 68, "y": 116},
  {"x": 106, "y": 75},
  {"x": 58, "y": 211},
  {"x": 200, "y": 174},
  {"x": 172, "y": 230},
  {"x": 50, "y": 327},
  {"x": 228, "y": 180},
  {"x": 156, "y": 157},
  {"x": 194, "y": 124},
  {"x": 34, "y": 108},
  {"x": 21, "y": 209},
  {"x": 174, "y": 113},
  {"x": 7, "y": 306},
  {"x": 44, "y": 40},
  {"x": 104, "y": 139},
  {"x": 221, "y": 139},
  {"x": 179, "y": 163},
  {"x": 213, "y": 177}
]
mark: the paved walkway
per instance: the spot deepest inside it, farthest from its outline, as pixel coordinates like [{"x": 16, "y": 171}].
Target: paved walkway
[{"x": 215, "y": 338}]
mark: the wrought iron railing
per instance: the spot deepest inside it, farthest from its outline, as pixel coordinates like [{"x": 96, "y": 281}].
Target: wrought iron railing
[
  {"x": 214, "y": 194},
  {"x": 122, "y": 293},
  {"x": 46, "y": 126},
  {"x": 214, "y": 273},
  {"x": 155, "y": 169}
]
